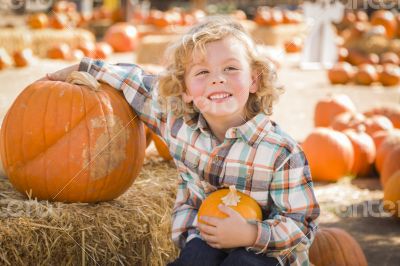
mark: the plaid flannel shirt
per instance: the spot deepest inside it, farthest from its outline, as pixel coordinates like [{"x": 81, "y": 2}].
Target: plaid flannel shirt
[{"x": 257, "y": 157}]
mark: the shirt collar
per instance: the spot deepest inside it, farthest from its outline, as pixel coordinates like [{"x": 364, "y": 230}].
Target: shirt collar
[
  {"x": 253, "y": 131},
  {"x": 196, "y": 121}
]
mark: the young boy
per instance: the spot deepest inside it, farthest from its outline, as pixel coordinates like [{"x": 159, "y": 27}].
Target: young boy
[{"x": 220, "y": 134}]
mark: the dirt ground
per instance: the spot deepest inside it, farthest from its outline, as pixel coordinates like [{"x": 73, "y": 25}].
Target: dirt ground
[{"x": 351, "y": 205}]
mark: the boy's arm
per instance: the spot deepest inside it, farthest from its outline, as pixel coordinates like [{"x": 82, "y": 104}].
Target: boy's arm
[
  {"x": 136, "y": 86},
  {"x": 184, "y": 216},
  {"x": 291, "y": 223}
]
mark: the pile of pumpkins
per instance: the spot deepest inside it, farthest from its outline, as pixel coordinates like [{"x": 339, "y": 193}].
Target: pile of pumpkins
[
  {"x": 64, "y": 15},
  {"x": 20, "y": 58},
  {"x": 369, "y": 49},
  {"x": 269, "y": 16},
  {"x": 62, "y": 50},
  {"x": 347, "y": 142},
  {"x": 96, "y": 50}
]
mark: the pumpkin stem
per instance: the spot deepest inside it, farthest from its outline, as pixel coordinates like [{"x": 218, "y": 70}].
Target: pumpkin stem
[
  {"x": 232, "y": 198},
  {"x": 83, "y": 78}
]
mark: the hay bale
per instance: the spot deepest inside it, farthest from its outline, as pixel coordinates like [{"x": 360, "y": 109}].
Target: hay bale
[
  {"x": 134, "y": 229},
  {"x": 15, "y": 39},
  {"x": 152, "y": 47},
  {"x": 274, "y": 35}
]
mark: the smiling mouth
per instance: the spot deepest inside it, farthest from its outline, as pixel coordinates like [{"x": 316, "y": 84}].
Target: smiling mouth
[{"x": 219, "y": 96}]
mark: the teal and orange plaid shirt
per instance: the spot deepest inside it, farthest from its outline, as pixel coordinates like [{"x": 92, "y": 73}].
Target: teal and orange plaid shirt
[{"x": 257, "y": 157}]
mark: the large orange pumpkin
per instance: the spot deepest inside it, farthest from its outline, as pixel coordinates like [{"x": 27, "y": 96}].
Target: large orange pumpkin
[
  {"x": 236, "y": 200},
  {"x": 391, "y": 112},
  {"x": 329, "y": 107},
  {"x": 391, "y": 194},
  {"x": 364, "y": 151},
  {"x": 391, "y": 141},
  {"x": 329, "y": 153},
  {"x": 123, "y": 37},
  {"x": 161, "y": 147},
  {"x": 71, "y": 143},
  {"x": 391, "y": 165},
  {"x": 334, "y": 246}
]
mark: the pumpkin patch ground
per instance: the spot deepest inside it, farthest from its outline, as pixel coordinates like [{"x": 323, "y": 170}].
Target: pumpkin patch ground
[{"x": 134, "y": 229}]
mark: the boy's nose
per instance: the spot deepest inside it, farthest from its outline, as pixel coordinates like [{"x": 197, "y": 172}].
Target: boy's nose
[{"x": 215, "y": 82}]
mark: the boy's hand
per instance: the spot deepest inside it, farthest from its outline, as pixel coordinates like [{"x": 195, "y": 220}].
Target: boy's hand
[
  {"x": 60, "y": 75},
  {"x": 231, "y": 232}
]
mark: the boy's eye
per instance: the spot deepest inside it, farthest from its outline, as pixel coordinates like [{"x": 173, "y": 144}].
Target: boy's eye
[
  {"x": 230, "y": 68},
  {"x": 201, "y": 72}
]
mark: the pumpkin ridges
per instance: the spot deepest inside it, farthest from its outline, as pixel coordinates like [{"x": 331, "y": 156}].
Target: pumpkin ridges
[{"x": 335, "y": 245}]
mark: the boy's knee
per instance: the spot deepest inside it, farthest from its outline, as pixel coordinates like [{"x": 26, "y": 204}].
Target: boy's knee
[
  {"x": 198, "y": 253},
  {"x": 243, "y": 257}
]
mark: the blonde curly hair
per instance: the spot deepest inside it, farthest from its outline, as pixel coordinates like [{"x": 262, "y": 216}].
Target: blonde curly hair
[{"x": 171, "y": 83}]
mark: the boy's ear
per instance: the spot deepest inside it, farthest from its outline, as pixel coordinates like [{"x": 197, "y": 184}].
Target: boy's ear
[
  {"x": 186, "y": 97},
  {"x": 255, "y": 77}
]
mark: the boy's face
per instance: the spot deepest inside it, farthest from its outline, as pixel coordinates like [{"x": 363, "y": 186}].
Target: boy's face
[{"x": 220, "y": 81}]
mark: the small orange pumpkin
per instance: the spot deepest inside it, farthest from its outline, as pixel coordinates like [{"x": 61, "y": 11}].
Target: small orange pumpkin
[
  {"x": 386, "y": 19},
  {"x": 23, "y": 57},
  {"x": 328, "y": 107},
  {"x": 341, "y": 73},
  {"x": 295, "y": 45},
  {"x": 334, "y": 246},
  {"x": 366, "y": 74},
  {"x": 59, "y": 51},
  {"x": 238, "y": 201},
  {"x": 329, "y": 153},
  {"x": 161, "y": 147},
  {"x": 71, "y": 143},
  {"x": 123, "y": 37},
  {"x": 38, "y": 21},
  {"x": 390, "y": 75},
  {"x": 102, "y": 50},
  {"x": 87, "y": 47}
]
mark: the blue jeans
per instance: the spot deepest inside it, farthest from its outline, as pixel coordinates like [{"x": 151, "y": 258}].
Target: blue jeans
[{"x": 199, "y": 253}]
